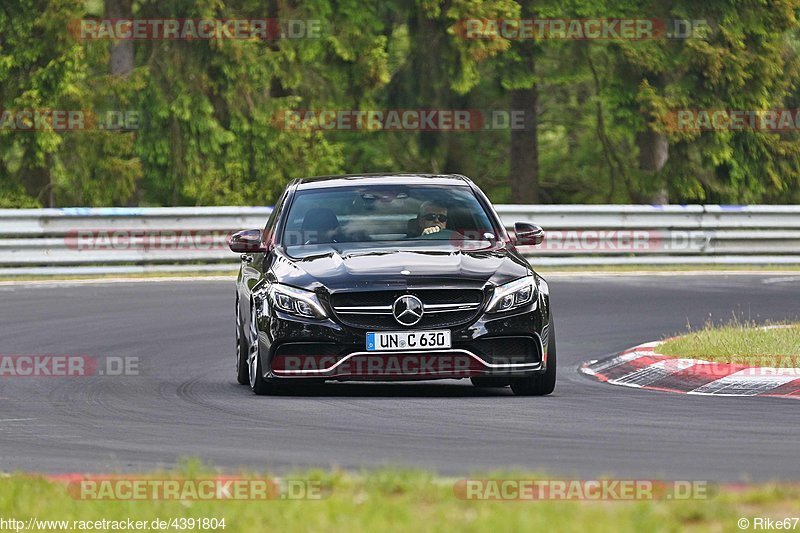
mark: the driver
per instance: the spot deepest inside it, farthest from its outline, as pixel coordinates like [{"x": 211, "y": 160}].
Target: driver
[{"x": 431, "y": 218}]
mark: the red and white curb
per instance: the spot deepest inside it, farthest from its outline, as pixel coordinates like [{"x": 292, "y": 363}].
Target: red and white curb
[{"x": 643, "y": 367}]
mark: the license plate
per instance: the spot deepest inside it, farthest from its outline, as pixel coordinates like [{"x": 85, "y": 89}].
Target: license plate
[{"x": 383, "y": 341}]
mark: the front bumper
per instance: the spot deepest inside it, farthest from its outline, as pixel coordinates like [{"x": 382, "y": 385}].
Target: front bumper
[{"x": 513, "y": 345}]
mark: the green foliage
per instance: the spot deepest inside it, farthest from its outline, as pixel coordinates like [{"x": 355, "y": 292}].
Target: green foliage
[{"x": 209, "y": 111}]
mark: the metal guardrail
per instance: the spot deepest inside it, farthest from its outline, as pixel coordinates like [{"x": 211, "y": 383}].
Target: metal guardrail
[
  {"x": 110, "y": 240},
  {"x": 669, "y": 235}
]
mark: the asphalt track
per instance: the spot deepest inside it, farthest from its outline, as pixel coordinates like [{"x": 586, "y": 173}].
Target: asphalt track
[{"x": 185, "y": 402}]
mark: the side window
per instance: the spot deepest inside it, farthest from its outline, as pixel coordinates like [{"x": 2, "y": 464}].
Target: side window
[{"x": 273, "y": 219}]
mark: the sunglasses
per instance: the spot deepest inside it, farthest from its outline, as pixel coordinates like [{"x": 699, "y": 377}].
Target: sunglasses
[{"x": 433, "y": 216}]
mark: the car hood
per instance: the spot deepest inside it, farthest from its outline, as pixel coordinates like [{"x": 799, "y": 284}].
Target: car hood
[{"x": 356, "y": 267}]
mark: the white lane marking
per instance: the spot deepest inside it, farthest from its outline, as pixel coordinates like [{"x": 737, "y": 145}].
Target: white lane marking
[
  {"x": 652, "y": 373},
  {"x": 749, "y": 382},
  {"x": 17, "y": 419},
  {"x": 788, "y": 279},
  {"x": 610, "y": 363},
  {"x": 594, "y": 366},
  {"x": 648, "y": 346}
]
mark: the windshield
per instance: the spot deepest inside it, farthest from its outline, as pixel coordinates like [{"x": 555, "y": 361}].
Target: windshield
[{"x": 361, "y": 214}]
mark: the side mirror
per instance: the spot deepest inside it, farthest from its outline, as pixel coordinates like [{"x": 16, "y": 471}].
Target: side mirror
[
  {"x": 247, "y": 242},
  {"x": 528, "y": 234}
]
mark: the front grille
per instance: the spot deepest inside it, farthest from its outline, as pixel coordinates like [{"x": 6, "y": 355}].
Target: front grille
[
  {"x": 428, "y": 296},
  {"x": 373, "y": 309}
]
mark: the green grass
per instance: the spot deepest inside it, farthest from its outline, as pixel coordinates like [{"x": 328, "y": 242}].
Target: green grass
[
  {"x": 400, "y": 500},
  {"x": 741, "y": 342}
]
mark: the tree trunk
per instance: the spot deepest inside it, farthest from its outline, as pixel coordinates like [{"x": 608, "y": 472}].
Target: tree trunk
[
  {"x": 525, "y": 149},
  {"x": 429, "y": 85},
  {"x": 37, "y": 184},
  {"x": 653, "y": 155},
  {"x": 120, "y": 61},
  {"x": 524, "y": 141}
]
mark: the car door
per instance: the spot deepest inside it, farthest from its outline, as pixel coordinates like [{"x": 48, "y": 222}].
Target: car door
[{"x": 254, "y": 266}]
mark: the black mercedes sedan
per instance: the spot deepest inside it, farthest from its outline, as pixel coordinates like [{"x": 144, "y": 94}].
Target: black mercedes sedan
[{"x": 390, "y": 277}]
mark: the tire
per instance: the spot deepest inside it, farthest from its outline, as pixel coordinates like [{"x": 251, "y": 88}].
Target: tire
[
  {"x": 544, "y": 383},
  {"x": 258, "y": 384},
  {"x": 242, "y": 370},
  {"x": 489, "y": 382}
]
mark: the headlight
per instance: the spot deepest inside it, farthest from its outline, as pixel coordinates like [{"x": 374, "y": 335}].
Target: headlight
[
  {"x": 512, "y": 295},
  {"x": 296, "y": 301}
]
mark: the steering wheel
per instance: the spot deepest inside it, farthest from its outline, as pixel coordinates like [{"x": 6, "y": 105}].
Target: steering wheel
[{"x": 442, "y": 235}]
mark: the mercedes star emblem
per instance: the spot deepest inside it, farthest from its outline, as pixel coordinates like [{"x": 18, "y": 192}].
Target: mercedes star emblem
[{"x": 407, "y": 310}]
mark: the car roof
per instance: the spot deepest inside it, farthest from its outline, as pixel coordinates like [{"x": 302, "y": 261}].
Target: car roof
[{"x": 320, "y": 182}]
